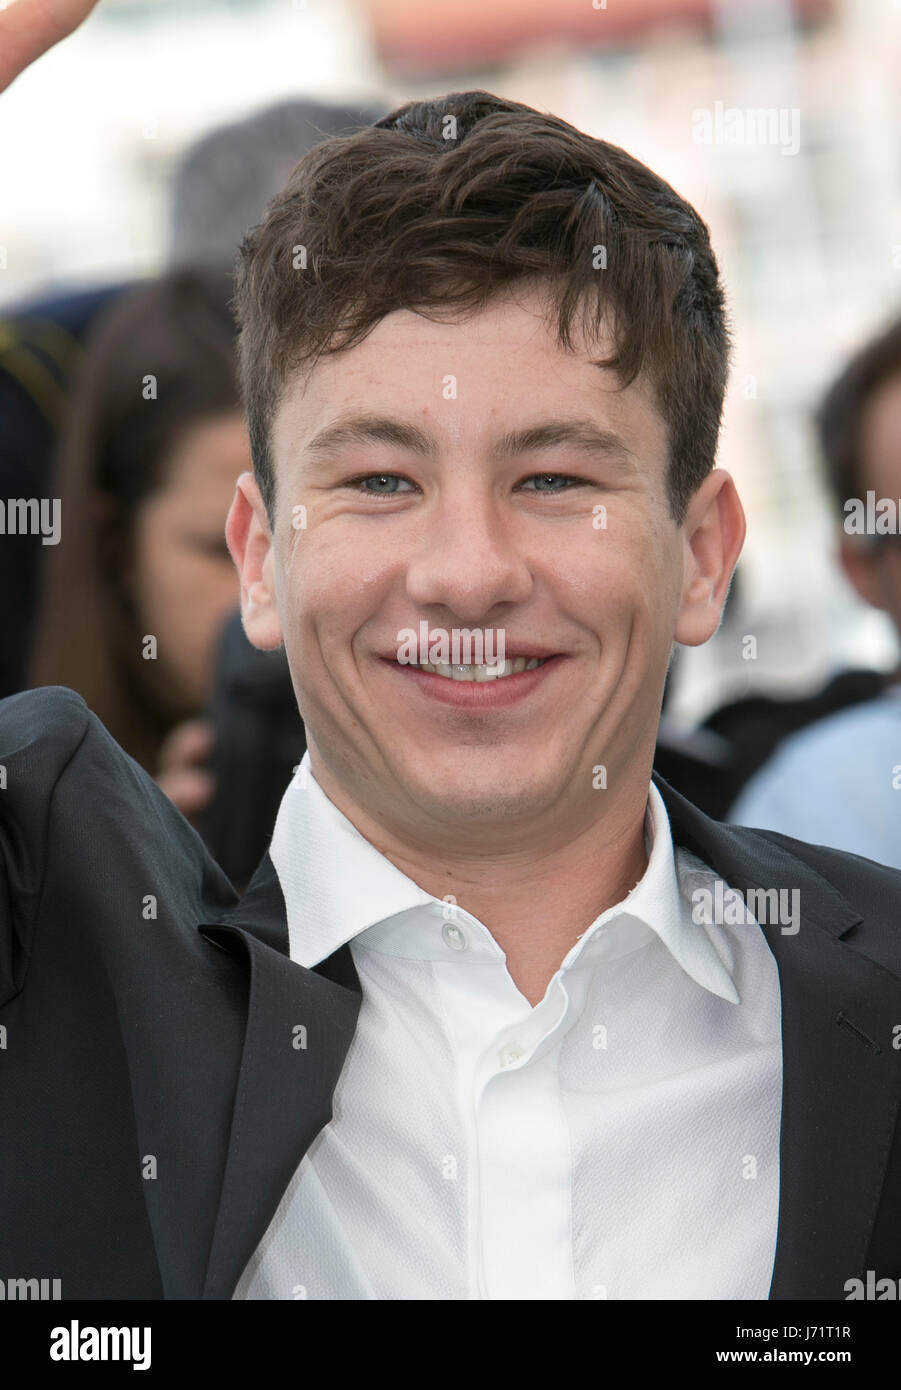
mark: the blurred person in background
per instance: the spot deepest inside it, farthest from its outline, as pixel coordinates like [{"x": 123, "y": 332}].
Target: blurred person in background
[
  {"x": 838, "y": 781},
  {"x": 221, "y": 185},
  {"x": 225, "y": 179},
  {"x": 137, "y": 590}
]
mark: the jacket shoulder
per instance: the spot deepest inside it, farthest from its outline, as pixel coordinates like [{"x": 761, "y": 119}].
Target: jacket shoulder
[
  {"x": 77, "y": 810},
  {"x": 52, "y": 715},
  {"x": 872, "y": 890},
  {"x": 838, "y": 865},
  {"x": 40, "y": 732}
]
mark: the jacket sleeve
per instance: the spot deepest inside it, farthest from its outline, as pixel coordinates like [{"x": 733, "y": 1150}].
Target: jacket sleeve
[{"x": 40, "y": 732}]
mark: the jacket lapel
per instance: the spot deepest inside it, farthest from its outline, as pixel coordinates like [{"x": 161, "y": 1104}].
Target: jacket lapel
[
  {"x": 299, "y": 1027},
  {"x": 841, "y": 1079}
]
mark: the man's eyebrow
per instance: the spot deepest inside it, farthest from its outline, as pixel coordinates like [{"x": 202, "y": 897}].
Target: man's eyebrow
[
  {"x": 578, "y": 434},
  {"x": 370, "y": 429},
  {"x": 548, "y": 434}
]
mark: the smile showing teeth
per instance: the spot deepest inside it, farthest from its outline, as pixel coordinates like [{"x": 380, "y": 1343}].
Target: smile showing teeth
[{"x": 482, "y": 673}]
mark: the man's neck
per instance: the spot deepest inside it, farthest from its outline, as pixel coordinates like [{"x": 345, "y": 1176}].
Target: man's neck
[
  {"x": 535, "y": 903},
  {"x": 535, "y": 913}
]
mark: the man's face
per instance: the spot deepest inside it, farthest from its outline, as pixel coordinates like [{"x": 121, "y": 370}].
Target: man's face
[
  {"x": 876, "y": 573},
  {"x": 464, "y": 533}
]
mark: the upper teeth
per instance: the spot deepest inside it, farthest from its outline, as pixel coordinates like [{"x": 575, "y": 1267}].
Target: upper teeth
[{"x": 483, "y": 673}]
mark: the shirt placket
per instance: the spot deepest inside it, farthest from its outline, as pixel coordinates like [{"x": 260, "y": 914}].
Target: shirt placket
[{"x": 523, "y": 1166}]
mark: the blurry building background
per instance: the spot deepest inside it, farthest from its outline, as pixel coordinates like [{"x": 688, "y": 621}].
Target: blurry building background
[{"x": 806, "y": 225}]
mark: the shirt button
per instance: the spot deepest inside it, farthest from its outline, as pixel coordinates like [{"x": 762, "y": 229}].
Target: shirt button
[
  {"x": 453, "y": 937},
  {"x": 510, "y": 1054}
]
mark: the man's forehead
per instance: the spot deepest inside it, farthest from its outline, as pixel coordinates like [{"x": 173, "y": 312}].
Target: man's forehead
[
  {"x": 524, "y": 318},
  {"x": 452, "y": 389},
  {"x": 486, "y": 380}
]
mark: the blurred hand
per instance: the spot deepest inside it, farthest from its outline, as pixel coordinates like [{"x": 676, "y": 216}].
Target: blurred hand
[
  {"x": 181, "y": 774},
  {"x": 29, "y": 27}
]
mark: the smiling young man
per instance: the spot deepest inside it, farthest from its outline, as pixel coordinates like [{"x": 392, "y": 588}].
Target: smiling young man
[
  {"x": 474, "y": 1031},
  {"x": 455, "y": 469},
  {"x": 478, "y": 512}
]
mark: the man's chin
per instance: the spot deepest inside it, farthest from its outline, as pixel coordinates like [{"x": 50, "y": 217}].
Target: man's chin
[{"x": 477, "y": 793}]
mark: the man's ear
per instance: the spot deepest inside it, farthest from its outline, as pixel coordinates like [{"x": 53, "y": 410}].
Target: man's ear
[
  {"x": 713, "y": 534},
  {"x": 859, "y": 564},
  {"x": 249, "y": 539}
]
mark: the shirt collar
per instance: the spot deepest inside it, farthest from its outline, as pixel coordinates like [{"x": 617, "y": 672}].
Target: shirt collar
[{"x": 338, "y": 887}]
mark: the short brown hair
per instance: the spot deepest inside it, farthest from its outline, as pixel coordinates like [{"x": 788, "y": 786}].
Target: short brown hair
[{"x": 444, "y": 203}]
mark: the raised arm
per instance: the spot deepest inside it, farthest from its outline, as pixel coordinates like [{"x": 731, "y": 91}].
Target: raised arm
[{"x": 29, "y": 27}]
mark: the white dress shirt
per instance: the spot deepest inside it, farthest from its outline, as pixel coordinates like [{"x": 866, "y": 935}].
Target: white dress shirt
[{"x": 619, "y": 1140}]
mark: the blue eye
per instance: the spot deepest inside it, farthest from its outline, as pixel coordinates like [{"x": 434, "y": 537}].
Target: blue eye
[
  {"x": 380, "y": 478},
  {"x": 553, "y": 477}
]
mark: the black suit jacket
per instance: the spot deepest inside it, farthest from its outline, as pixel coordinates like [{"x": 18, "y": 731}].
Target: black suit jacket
[{"x": 153, "y": 1106}]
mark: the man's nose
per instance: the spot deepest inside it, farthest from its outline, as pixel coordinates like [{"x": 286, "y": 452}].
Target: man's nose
[{"x": 468, "y": 559}]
